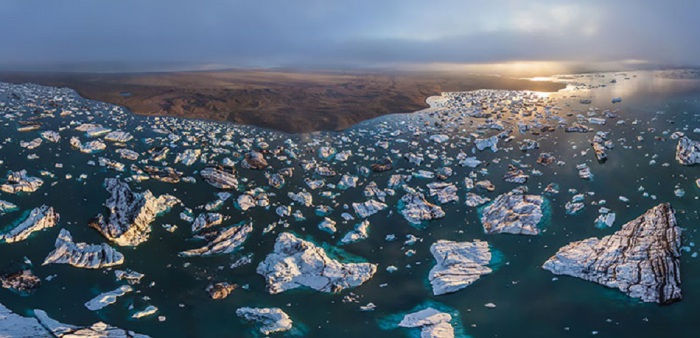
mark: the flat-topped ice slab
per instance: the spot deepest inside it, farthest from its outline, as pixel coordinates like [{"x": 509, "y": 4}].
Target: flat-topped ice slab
[{"x": 298, "y": 263}]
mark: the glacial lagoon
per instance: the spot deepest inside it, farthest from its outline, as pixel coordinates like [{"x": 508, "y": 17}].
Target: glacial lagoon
[{"x": 517, "y": 298}]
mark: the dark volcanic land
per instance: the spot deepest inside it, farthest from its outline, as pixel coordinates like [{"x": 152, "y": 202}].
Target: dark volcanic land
[{"x": 289, "y": 101}]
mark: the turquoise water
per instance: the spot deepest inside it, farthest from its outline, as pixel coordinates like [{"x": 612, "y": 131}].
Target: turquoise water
[
  {"x": 390, "y": 322},
  {"x": 529, "y": 303}
]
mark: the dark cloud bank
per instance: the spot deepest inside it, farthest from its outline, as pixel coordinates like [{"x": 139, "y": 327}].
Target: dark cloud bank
[{"x": 175, "y": 34}]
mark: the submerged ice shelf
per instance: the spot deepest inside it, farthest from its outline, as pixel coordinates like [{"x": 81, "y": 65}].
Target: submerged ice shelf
[{"x": 219, "y": 214}]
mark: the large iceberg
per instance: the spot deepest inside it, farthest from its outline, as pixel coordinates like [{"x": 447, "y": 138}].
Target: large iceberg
[
  {"x": 271, "y": 320},
  {"x": 688, "y": 151},
  {"x": 368, "y": 208},
  {"x": 295, "y": 263},
  {"x": 458, "y": 264},
  {"x": 130, "y": 213},
  {"x": 416, "y": 209},
  {"x": 41, "y": 325},
  {"x": 40, "y": 218},
  {"x": 642, "y": 259},
  {"x": 82, "y": 255},
  {"x": 224, "y": 240},
  {"x": 19, "y": 181},
  {"x": 106, "y": 298},
  {"x": 513, "y": 213},
  {"x": 433, "y": 323},
  {"x": 219, "y": 177}
]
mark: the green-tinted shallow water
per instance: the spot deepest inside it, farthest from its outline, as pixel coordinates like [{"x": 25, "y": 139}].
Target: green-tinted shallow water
[{"x": 529, "y": 303}]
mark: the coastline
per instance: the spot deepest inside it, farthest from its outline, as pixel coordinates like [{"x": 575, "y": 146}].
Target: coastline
[{"x": 288, "y": 101}]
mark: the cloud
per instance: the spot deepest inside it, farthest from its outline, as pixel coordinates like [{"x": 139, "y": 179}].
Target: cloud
[{"x": 345, "y": 34}]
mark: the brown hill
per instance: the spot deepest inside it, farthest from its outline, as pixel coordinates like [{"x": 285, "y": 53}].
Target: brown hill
[{"x": 290, "y": 101}]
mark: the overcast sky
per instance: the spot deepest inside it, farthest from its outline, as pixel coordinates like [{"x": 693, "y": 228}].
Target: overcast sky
[{"x": 325, "y": 33}]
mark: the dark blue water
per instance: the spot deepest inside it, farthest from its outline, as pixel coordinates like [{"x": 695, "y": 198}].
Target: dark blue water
[{"x": 529, "y": 303}]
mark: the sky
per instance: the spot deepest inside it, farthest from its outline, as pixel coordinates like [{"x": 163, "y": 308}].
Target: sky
[{"x": 109, "y": 35}]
